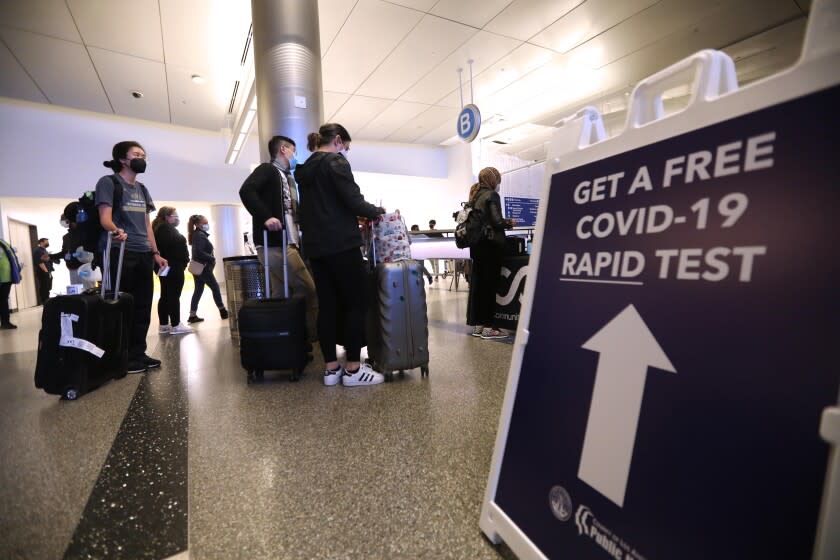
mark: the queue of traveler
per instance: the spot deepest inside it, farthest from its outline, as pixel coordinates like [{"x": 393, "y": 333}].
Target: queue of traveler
[{"x": 319, "y": 197}]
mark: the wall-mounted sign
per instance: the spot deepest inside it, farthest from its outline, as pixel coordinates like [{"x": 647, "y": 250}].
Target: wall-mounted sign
[{"x": 469, "y": 123}]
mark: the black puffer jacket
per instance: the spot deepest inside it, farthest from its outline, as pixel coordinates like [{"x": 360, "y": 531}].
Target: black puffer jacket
[
  {"x": 330, "y": 203},
  {"x": 172, "y": 245}
]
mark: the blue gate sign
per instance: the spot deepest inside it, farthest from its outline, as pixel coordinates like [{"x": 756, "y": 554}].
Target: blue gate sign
[
  {"x": 523, "y": 210},
  {"x": 469, "y": 123},
  {"x": 682, "y": 346}
]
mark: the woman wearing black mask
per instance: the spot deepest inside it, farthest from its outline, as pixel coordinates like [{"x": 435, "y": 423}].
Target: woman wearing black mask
[
  {"x": 124, "y": 205},
  {"x": 198, "y": 235}
]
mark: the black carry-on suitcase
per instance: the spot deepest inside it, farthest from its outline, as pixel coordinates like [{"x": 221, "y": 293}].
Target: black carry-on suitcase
[
  {"x": 272, "y": 331},
  {"x": 397, "y": 326},
  {"x": 84, "y": 338}
]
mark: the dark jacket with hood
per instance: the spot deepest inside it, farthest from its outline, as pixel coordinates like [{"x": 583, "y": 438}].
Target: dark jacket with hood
[
  {"x": 202, "y": 249},
  {"x": 330, "y": 203},
  {"x": 489, "y": 201},
  {"x": 172, "y": 245}
]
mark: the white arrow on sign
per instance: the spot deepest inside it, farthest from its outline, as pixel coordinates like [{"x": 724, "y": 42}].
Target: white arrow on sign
[{"x": 627, "y": 349}]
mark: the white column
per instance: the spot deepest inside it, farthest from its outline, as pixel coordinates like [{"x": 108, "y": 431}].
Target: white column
[{"x": 229, "y": 225}]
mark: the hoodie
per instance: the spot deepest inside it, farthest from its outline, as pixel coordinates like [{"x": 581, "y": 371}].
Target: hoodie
[{"x": 330, "y": 203}]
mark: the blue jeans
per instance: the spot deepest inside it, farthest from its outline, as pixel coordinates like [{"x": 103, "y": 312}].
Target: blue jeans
[{"x": 206, "y": 277}]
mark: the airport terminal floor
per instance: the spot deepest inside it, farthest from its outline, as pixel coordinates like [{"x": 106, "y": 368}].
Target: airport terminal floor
[{"x": 188, "y": 461}]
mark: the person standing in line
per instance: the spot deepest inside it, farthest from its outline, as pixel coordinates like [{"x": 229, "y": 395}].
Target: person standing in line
[
  {"x": 43, "y": 269},
  {"x": 434, "y": 262},
  {"x": 124, "y": 205},
  {"x": 330, "y": 205},
  {"x": 173, "y": 247},
  {"x": 9, "y": 274},
  {"x": 198, "y": 236},
  {"x": 415, "y": 229},
  {"x": 487, "y": 254},
  {"x": 270, "y": 196}
]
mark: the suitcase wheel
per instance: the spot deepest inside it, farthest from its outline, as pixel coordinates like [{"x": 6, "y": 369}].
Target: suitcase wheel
[
  {"x": 389, "y": 376},
  {"x": 424, "y": 371},
  {"x": 70, "y": 394},
  {"x": 296, "y": 375},
  {"x": 255, "y": 375}
]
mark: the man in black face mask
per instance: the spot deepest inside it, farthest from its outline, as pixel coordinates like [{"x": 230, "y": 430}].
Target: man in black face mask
[{"x": 124, "y": 205}]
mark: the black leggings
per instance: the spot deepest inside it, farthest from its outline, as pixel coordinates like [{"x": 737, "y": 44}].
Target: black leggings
[
  {"x": 484, "y": 281},
  {"x": 169, "y": 304},
  {"x": 341, "y": 283},
  {"x": 136, "y": 280},
  {"x": 206, "y": 277}
]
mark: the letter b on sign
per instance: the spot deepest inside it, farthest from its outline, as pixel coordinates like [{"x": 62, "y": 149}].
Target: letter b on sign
[{"x": 469, "y": 123}]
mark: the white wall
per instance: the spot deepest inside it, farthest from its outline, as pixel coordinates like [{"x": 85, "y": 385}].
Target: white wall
[{"x": 50, "y": 155}]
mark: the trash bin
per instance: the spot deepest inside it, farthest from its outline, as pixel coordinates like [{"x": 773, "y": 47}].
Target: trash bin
[{"x": 244, "y": 280}]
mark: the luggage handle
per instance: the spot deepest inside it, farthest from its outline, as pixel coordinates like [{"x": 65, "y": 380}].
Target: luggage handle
[
  {"x": 285, "y": 265},
  {"x": 106, "y": 265}
]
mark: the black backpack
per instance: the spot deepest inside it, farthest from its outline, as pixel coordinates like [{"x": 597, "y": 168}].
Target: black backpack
[
  {"x": 88, "y": 227},
  {"x": 471, "y": 227}
]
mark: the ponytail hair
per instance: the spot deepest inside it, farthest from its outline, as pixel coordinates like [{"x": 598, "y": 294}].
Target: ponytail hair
[
  {"x": 162, "y": 215},
  {"x": 192, "y": 226},
  {"x": 325, "y": 135},
  {"x": 119, "y": 152}
]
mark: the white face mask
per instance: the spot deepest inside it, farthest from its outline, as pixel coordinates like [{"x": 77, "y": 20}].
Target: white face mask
[
  {"x": 64, "y": 223},
  {"x": 205, "y": 227}
]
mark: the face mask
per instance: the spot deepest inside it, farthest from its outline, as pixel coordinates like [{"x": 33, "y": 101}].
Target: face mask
[
  {"x": 64, "y": 223},
  {"x": 292, "y": 163},
  {"x": 343, "y": 153},
  {"x": 177, "y": 222},
  {"x": 137, "y": 165},
  {"x": 205, "y": 227}
]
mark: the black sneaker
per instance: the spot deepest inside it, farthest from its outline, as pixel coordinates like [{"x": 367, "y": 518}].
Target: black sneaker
[
  {"x": 150, "y": 362},
  {"x": 194, "y": 319},
  {"x": 7, "y": 326},
  {"x": 136, "y": 366},
  {"x": 223, "y": 312}
]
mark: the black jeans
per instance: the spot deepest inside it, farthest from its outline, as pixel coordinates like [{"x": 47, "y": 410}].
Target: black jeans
[
  {"x": 341, "y": 283},
  {"x": 169, "y": 304},
  {"x": 136, "y": 280},
  {"x": 484, "y": 281},
  {"x": 5, "y": 290},
  {"x": 44, "y": 280},
  {"x": 206, "y": 277}
]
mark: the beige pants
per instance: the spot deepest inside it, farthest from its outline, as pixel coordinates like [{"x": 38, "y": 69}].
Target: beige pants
[{"x": 300, "y": 282}]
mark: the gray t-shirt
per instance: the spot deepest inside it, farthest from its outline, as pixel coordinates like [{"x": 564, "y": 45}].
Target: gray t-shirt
[{"x": 131, "y": 216}]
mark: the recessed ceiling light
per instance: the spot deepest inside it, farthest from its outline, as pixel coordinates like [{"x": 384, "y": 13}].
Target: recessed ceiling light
[
  {"x": 198, "y": 79},
  {"x": 136, "y": 94}
]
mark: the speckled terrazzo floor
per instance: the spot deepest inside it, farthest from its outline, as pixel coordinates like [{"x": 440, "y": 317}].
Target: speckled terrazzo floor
[{"x": 272, "y": 470}]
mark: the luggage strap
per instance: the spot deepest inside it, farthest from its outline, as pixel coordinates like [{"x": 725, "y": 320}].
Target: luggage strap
[{"x": 68, "y": 340}]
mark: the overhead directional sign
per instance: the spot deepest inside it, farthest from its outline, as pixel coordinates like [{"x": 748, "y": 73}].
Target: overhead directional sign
[
  {"x": 469, "y": 123},
  {"x": 681, "y": 346}
]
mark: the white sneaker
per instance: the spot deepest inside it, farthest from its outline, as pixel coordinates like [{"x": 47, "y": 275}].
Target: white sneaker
[
  {"x": 181, "y": 328},
  {"x": 333, "y": 377},
  {"x": 365, "y": 376},
  {"x": 164, "y": 329}
]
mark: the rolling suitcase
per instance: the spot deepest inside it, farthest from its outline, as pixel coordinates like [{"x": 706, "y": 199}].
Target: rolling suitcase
[
  {"x": 84, "y": 339},
  {"x": 272, "y": 331},
  {"x": 397, "y": 325}
]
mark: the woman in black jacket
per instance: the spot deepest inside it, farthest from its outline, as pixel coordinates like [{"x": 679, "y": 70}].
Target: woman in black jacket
[
  {"x": 330, "y": 204},
  {"x": 172, "y": 247},
  {"x": 202, "y": 251},
  {"x": 487, "y": 254}
]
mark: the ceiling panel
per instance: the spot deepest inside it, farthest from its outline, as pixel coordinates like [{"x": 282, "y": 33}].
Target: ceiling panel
[
  {"x": 524, "y": 59},
  {"x": 331, "y": 15},
  {"x": 523, "y": 19},
  {"x": 389, "y": 120},
  {"x": 587, "y": 21},
  {"x": 332, "y": 103},
  {"x": 61, "y": 69},
  {"x": 121, "y": 74},
  {"x": 440, "y": 134},
  {"x": 16, "y": 83},
  {"x": 485, "y": 49},
  {"x": 420, "y": 125},
  {"x": 48, "y": 17},
  {"x": 768, "y": 52},
  {"x": 422, "y": 5},
  {"x": 127, "y": 27},
  {"x": 370, "y": 34},
  {"x": 358, "y": 111},
  {"x": 194, "y": 105},
  {"x": 426, "y": 46},
  {"x": 476, "y": 13}
]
